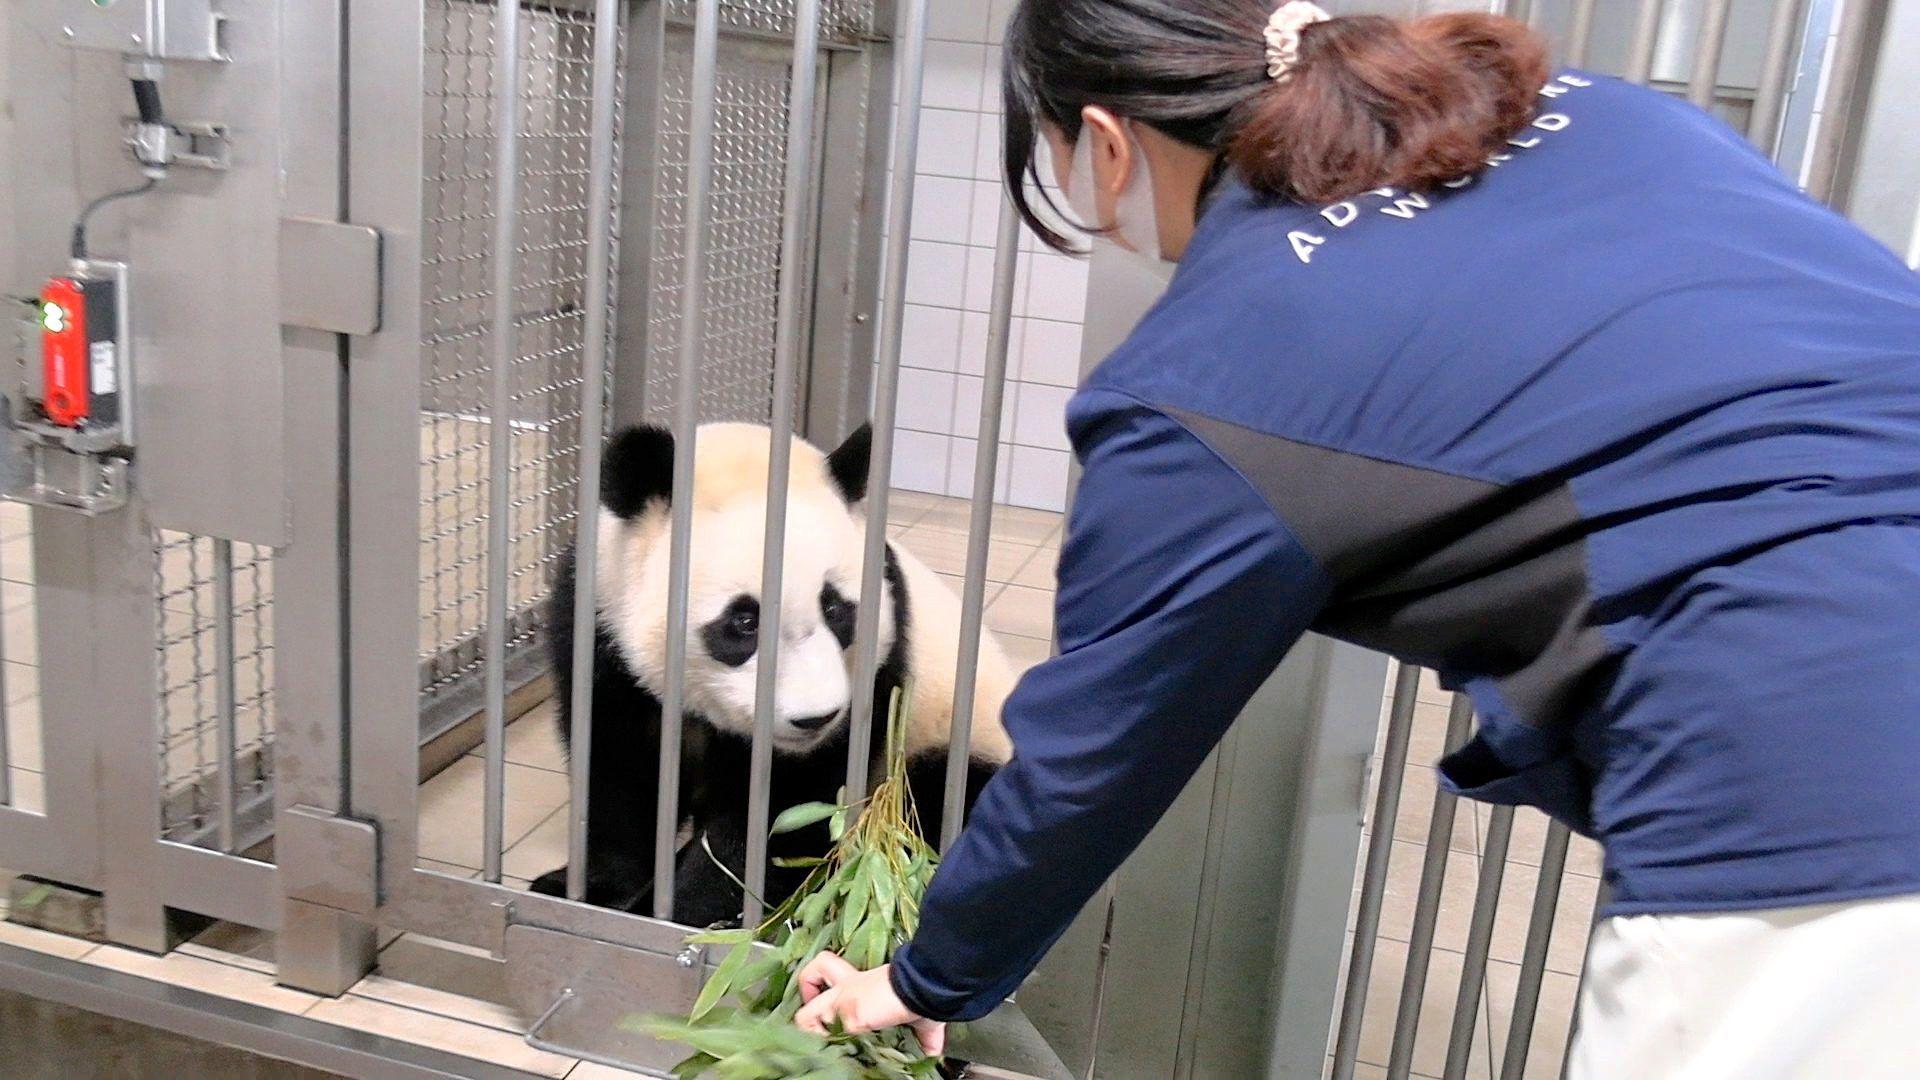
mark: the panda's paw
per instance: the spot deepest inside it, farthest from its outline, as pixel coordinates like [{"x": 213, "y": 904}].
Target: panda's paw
[
  {"x": 552, "y": 883},
  {"x": 607, "y": 891}
]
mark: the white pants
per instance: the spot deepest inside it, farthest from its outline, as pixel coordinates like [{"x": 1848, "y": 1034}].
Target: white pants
[{"x": 1829, "y": 992}]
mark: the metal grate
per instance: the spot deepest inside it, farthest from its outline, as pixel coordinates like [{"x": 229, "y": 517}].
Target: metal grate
[
  {"x": 743, "y": 252},
  {"x": 194, "y": 609},
  {"x": 456, "y": 265},
  {"x": 844, "y": 22}
]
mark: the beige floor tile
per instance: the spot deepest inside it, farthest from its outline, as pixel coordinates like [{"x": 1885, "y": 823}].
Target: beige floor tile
[
  {"x": 1022, "y": 652},
  {"x": 16, "y": 519},
  {"x": 1572, "y": 918},
  {"x": 16, "y": 558},
  {"x": 22, "y": 635},
  {"x": 906, "y": 507},
  {"x": 1041, "y": 571},
  {"x": 1436, "y": 1013},
  {"x": 1403, "y": 892},
  {"x": 427, "y": 1029},
  {"x": 23, "y": 734},
  {"x": 1011, "y": 523},
  {"x": 1530, "y": 836},
  {"x": 946, "y": 553},
  {"x": 534, "y": 741},
  {"x": 40, "y": 941},
  {"x": 451, "y": 804},
  {"x": 543, "y": 849},
  {"x": 438, "y": 1002},
  {"x": 1416, "y": 811},
  {"x": 28, "y": 792},
  {"x": 446, "y": 868},
  {"x": 1548, "y": 1047},
  {"x": 1023, "y": 611},
  {"x": 206, "y": 976},
  {"x": 23, "y": 681},
  {"x": 1426, "y": 744},
  {"x": 959, "y": 586}
]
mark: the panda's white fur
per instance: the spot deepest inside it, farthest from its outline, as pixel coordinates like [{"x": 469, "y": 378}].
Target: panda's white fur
[{"x": 824, "y": 544}]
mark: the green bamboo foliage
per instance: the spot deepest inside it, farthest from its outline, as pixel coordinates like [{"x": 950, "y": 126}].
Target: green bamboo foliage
[{"x": 862, "y": 901}]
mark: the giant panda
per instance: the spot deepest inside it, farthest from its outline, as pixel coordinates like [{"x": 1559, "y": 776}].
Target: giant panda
[{"x": 919, "y": 643}]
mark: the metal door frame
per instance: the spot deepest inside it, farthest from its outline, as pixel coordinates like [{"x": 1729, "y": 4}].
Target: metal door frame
[{"x": 380, "y": 547}]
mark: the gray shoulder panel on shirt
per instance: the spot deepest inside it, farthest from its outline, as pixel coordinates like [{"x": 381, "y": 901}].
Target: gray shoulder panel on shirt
[{"x": 1476, "y": 578}]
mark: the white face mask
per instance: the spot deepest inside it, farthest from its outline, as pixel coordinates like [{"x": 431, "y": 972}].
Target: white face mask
[{"x": 1134, "y": 220}]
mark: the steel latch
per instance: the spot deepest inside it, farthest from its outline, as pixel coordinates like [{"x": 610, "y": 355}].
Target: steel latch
[
  {"x": 328, "y": 860},
  {"x": 330, "y": 276}
]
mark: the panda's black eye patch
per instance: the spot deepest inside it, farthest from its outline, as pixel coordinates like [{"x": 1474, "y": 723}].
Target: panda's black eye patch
[
  {"x": 734, "y": 637},
  {"x": 839, "y": 612}
]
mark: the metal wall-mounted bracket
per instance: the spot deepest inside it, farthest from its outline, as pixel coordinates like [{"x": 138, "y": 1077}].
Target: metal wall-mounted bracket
[
  {"x": 159, "y": 29},
  {"x": 329, "y": 860},
  {"x": 199, "y": 144},
  {"x": 330, "y": 276}
]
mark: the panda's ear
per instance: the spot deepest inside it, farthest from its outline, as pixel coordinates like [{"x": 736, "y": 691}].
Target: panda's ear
[
  {"x": 848, "y": 465},
  {"x": 637, "y": 470}
]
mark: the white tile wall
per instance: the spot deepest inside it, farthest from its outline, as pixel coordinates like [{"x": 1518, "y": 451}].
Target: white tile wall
[{"x": 950, "y": 284}]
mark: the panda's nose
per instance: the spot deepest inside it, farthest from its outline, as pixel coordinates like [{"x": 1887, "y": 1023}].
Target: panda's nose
[{"x": 814, "y": 723}]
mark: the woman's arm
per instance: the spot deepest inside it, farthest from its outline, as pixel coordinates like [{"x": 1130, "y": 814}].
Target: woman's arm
[{"x": 1180, "y": 591}]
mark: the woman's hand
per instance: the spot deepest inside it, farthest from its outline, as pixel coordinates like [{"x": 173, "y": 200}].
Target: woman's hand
[{"x": 860, "y": 1001}]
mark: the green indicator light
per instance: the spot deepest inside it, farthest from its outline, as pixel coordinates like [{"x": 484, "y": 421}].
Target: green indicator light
[{"x": 53, "y": 318}]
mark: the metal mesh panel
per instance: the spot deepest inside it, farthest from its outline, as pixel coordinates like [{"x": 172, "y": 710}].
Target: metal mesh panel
[
  {"x": 556, "y": 105},
  {"x": 743, "y": 249},
  {"x": 841, "y": 21},
  {"x": 188, "y": 669}
]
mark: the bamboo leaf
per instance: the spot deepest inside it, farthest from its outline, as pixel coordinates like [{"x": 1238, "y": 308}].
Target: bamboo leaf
[
  {"x": 859, "y": 896},
  {"x": 719, "y": 986},
  {"x": 807, "y": 860},
  {"x": 799, "y": 817}
]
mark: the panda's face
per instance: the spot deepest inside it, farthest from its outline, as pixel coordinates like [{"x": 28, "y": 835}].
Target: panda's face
[
  {"x": 813, "y": 689},
  {"x": 813, "y": 684}
]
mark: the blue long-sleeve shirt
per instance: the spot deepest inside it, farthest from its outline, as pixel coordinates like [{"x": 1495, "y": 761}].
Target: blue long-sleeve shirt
[{"x": 1622, "y": 437}]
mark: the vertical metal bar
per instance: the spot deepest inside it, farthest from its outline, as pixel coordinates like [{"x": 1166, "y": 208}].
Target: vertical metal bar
[
  {"x": 1580, "y": 34},
  {"x": 1703, "y": 85},
  {"x": 226, "y": 734},
  {"x": 786, "y": 362},
  {"x": 686, "y": 414},
  {"x": 1829, "y": 142},
  {"x": 1763, "y": 123},
  {"x": 593, "y": 380},
  {"x": 1519, "y": 9},
  {"x": 1006, "y": 258},
  {"x": 1373, "y": 882},
  {"x": 1473, "y": 969},
  {"x": 1533, "y": 961},
  {"x": 911, "y": 40},
  {"x": 1646, "y": 35},
  {"x": 506, "y": 189},
  {"x": 1098, "y": 1021},
  {"x": 1426, "y": 910}
]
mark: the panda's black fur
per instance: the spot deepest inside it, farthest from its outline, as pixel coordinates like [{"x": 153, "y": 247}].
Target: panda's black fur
[{"x": 623, "y": 784}]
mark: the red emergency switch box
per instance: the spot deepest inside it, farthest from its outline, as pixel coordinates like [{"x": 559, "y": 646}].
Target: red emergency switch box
[{"x": 79, "y": 346}]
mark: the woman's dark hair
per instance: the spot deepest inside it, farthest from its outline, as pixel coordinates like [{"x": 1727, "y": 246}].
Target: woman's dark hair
[{"x": 1373, "y": 102}]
